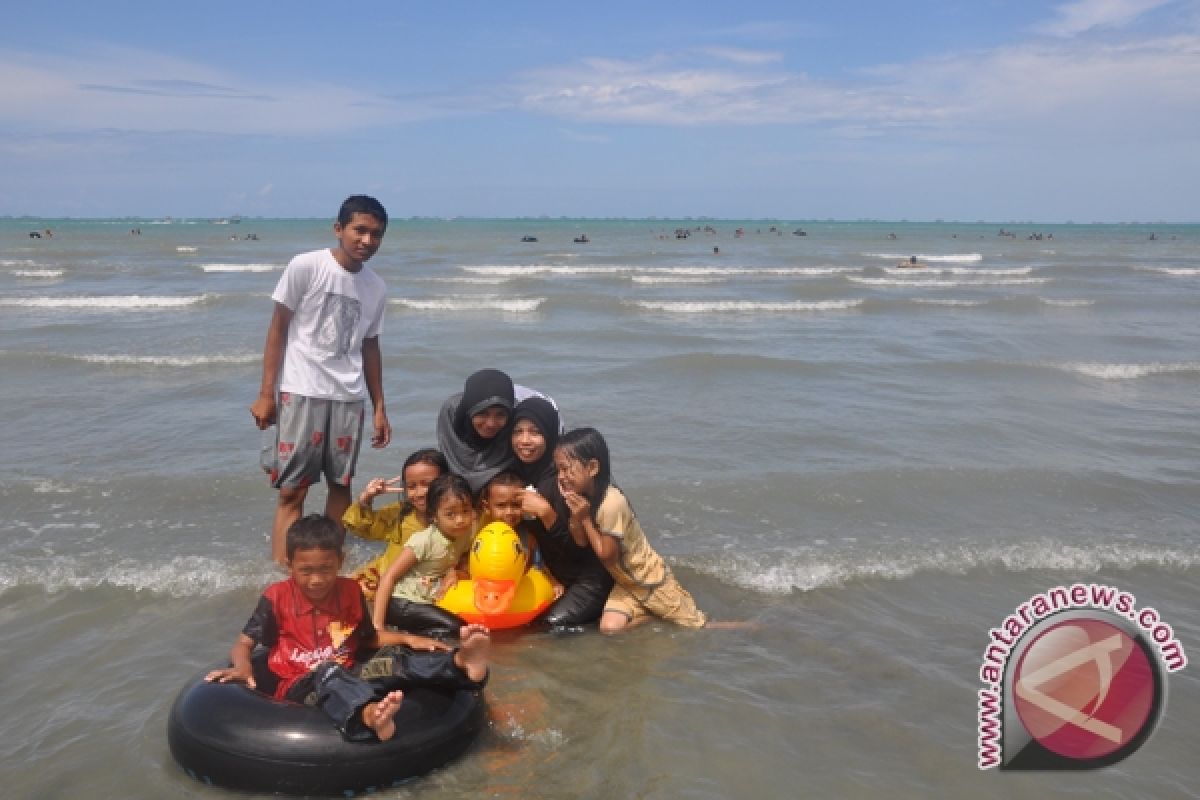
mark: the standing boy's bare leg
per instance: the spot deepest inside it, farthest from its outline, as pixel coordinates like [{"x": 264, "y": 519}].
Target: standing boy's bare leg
[
  {"x": 337, "y": 501},
  {"x": 289, "y": 507}
]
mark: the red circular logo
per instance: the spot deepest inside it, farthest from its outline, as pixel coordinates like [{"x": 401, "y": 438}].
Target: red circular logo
[{"x": 1084, "y": 688}]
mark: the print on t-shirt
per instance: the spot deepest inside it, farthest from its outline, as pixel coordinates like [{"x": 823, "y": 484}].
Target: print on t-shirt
[{"x": 337, "y": 324}]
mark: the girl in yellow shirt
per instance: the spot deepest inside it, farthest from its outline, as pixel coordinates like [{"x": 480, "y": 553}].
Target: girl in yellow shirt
[{"x": 395, "y": 523}]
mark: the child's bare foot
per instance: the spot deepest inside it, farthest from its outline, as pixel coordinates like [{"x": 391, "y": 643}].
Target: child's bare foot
[
  {"x": 381, "y": 716},
  {"x": 472, "y": 655}
]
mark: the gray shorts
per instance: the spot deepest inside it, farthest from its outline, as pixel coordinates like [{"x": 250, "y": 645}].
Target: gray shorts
[{"x": 313, "y": 436}]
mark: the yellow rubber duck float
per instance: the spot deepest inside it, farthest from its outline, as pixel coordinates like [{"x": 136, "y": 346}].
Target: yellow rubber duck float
[{"x": 503, "y": 590}]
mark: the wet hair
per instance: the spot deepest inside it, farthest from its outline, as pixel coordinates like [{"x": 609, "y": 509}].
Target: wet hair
[
  {"x": 447, "y": 486},
  {"x": 426, "y": 455},
  {"x": 314, "y": 532},
  {"x": 504, "y": 478},
  {"x": 361, "y": 204},
  {"x": 584, "y": 445}
]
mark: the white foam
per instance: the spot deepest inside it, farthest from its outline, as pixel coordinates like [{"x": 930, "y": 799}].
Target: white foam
[
  {"x": 743, "y": 306},
  {"x": 186, "y": 249},
  {"x": 1067, "y": 303},
  {"x": 960, "y": 258},
  {"x": 1180, "y": 272},
  {"x": 522, "y": 271},
  {"x": 937, "y": 283},
  {"x": 240, "y": 267},
  {"x": 1125, "y": 372},
  {"x": 511, "y": 305},
  {"x": 170, "y": 361},
  {"x": 675, "y": 279},
  {"x": 38, "y": 273},
  {"x": 517, "y": 271},
  {"x": 956, "y": 271},
  {"x": 105, "y": 303},
  {"x": 798, "y": 572},
  {"x": 947, "y": 301},
  {"x": 470, "y": 281},
  {"x": 191, "y": 576}
]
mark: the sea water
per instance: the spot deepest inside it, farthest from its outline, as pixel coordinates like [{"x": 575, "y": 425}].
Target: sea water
[{"x": 873, "y": 464}]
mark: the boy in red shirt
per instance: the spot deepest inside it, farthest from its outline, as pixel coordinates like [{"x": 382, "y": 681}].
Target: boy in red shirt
[{"x": 315, "y": 624}]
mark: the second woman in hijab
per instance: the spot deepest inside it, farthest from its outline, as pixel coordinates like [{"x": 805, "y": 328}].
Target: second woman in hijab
[{"x": 535, "y": 429}]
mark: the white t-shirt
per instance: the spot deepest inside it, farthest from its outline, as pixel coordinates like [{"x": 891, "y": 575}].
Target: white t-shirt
[{"x": 333, "y": 310}]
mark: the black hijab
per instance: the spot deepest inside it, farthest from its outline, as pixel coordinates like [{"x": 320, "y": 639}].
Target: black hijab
[
  {"x": 542, "y": 413},
  {"x": 469, "y": 454}
]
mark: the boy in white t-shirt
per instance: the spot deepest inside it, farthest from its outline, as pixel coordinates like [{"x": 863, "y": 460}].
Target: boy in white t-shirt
[{"x": 322, "y": 356}]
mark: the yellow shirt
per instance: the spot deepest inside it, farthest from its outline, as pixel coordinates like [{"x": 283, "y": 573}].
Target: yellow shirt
[{"x": 385, "y": 525}]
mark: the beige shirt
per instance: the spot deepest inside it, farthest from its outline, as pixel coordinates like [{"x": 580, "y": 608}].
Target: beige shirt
[
  {"x": 639, "y": 566},
  {"x": 436, "y": 555}
]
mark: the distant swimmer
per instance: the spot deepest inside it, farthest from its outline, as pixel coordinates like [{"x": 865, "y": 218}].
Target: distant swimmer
[{"x": 912, "y": 263}]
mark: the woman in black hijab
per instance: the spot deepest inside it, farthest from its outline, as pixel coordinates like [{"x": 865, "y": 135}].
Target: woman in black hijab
[
  {"x": 472, "y": 428},
  {"x": 586, "y": 582}
]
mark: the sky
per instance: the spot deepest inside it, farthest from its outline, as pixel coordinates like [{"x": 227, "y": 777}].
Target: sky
[{"x": 991, "y": 110}]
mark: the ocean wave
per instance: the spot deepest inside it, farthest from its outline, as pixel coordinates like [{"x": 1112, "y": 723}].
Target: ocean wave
[
  {"x": 956, "y": 271},
  {"x": 132, "y": 302},
  {"x": 695, "y": 271},
  {"x": 38, "y": 273},
  {"x": 184, "y": 576},
  {"x": 948, "y": 301},
  {"x": 675, "y": 279},
  {"x": 522, "y": 271},
  {"x": 240, "y": 267},
  {"x": 469, "y": 280},
  {"x": 1181, "y": 272},
  {"x": 952, "y": 258},
  {"x": 1050, "y": 301},
  {"x": 511, "y": 305},
  {"x": 121, "y": 359},
  {"x": 772, "y": 574},
  {"x": 742, "y": 306},
  {"x": 935, "y": 283},
  {"x": 1125, "y": 372},
  {"x": 186, "y": 249}
]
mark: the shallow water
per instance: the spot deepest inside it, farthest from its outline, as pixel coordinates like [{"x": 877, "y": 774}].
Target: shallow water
[{"x": 874, "y": 465}]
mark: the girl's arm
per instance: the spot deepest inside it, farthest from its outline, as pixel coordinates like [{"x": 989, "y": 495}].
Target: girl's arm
[
  {"x": 387, "y": 582},
  {"x": 585, "y": 533}
]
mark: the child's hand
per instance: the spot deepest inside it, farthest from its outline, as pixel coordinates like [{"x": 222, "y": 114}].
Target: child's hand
[
  {"x": 578, "y": 505},
  {"x": 448, "y": 582},
  {"x": 231, "y": 675},
  {"x": 533, "y": 504},
  {"x": 378, "y": 486}
]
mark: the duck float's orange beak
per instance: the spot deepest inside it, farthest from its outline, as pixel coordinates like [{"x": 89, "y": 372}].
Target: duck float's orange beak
[{"x": 494, "y": 596}]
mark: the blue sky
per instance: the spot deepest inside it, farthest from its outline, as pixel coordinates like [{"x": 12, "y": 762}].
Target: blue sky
[{"x": 980, "y": 109}]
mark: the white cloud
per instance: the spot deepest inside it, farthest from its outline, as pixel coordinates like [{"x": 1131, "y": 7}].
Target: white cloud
[
  {"x": 662, "y": 91},
  {"x": 136, "y": 90},
  {"x": 740, "y": 55},
  {"x": 1085, "y": 15},
  {"x": 1136, "y": 90}
]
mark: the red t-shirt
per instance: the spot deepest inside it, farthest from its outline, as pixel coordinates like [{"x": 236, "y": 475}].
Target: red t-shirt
[{"x": 301, "y": 635}]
